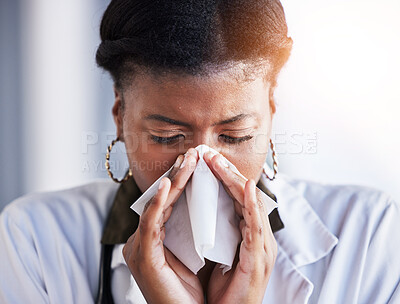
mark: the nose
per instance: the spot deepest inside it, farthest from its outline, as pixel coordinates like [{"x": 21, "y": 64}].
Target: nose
[{"x": 205, "y": 138}]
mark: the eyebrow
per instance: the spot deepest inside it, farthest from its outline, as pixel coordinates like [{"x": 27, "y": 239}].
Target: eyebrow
[
  {"x": 166, "y": 119},
  {"x": 233, "y": 119},
  {"x": 171, "y": 121}
]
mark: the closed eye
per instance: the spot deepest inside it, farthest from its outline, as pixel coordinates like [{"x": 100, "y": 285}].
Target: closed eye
[
  {"x": 223, "y": 137},
  {"x": 235, "y": 140},
  {"x": 166, "y": 140}
]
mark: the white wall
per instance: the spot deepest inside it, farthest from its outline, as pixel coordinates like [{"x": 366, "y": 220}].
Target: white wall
[
  {"x": 338, "y": 96},
  {"x": 341, "y": 87},
  {"x": 63, "y": 99}
]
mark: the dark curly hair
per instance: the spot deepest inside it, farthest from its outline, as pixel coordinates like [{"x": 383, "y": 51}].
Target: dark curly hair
[{"x": 192, "y": 37}]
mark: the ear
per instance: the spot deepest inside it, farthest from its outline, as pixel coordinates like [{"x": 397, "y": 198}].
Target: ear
[
  {"x": 117, "y": 112},
  {"x": 272, "y": 101}
]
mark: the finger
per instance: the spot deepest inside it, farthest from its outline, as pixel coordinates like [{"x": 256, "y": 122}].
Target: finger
[
  {"x": 182, "y": 176},
  {"x": 242, "y": 225},
  {"x": 238, "y": 208},
  {"x": 127, "y": 249},
  {"x": 162, "y": 233},
  {"x": 167, "y": 213},
  {"x": 179, "y": 161},
  {"x": 208, "y": 159},
  {"x": 177, "y": 164},
  {"x": 253, "y": 231},
  {"x": 131, "y": 247},
  {"x": 175, "y": 169},
  {"x": 232, "y": 182},
  {"x": 269, "y": 239},
  {"x": 151, "y": 219},
  {"x": 208, "y": 156},
  {"x": 268, "y": 234},
  {"x": 192, "y": 152}
]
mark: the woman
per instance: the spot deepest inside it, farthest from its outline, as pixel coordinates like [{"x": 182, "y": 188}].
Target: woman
[{"x": 188, "y": 73}]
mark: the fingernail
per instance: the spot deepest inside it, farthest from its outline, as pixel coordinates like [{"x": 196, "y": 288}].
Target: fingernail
[
  {"x": 222, "y": 162},
  {"x": 178, "y": 161},
  {"x": 162, "y": 184},
  {"x": 190, "y": 150},
  {"x": 211, "y": 154},
  {"x": 184, "y": 162},
  {"x": 191, "y": 162}
]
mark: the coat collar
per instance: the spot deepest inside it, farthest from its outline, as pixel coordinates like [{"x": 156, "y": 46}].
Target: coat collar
[
  {"x": 305, "y": 238},
  {"x": 122, "y": 221}
]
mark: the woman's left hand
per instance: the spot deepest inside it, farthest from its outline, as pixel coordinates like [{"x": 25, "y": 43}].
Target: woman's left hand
[{"x": 247, "y": 281}]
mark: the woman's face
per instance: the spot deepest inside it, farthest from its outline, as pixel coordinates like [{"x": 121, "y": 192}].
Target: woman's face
[{"x": 163, "y": 119}]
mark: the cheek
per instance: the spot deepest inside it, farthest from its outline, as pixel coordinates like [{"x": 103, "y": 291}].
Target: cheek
[
  {"x": 147, "y": 166},
  {"x": 250, "y": 166},
  {"x": 249, "y": 159}
]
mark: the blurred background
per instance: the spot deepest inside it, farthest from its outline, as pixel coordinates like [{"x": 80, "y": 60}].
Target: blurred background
[{"x": 337, "y": 101}]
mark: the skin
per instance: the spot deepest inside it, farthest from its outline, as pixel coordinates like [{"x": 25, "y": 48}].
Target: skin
[{"x": 230, "y": 115}]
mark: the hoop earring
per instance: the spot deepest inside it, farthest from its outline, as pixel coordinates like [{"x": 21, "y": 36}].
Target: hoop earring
[
  {"x": 107, "y": 164},
  {"x": 275, "y": 161}
]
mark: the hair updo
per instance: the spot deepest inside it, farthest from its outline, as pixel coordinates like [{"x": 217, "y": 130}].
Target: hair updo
[{"x": 191, "y": 37}]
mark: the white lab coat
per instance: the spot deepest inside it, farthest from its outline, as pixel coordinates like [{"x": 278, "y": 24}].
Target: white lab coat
[{"x": 340, "y": 244}]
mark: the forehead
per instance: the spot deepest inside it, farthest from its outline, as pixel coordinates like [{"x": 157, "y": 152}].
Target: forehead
[{"x": 198, "y": 99}]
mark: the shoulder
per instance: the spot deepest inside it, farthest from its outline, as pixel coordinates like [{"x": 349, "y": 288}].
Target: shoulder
[
  {"x": 52, "y": 235},
  {"x": 97, "y": 194},
  {"x": 333, "y": 228},
  {"x": 353, "y": 194},
  {"x": 337, "y": 203},
  {"x": 87, "y": 203}
]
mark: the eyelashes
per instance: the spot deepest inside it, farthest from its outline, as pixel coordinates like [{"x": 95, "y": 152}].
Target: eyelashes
[
  {"x": 166, "y": 140},
  {"x": 176, "y": 138},
  {"x": 235, "y": 140}
]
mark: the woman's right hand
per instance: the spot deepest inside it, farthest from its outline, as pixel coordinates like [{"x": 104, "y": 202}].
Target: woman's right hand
[{"x": 161, "y": 277}]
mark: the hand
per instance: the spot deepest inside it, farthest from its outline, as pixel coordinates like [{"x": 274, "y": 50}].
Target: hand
[
  {"x": 247, "y": 281},
  {"x": 161, "y": 277}
]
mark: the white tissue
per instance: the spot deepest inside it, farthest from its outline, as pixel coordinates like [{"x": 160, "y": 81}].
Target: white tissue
[{"x": 203, "y": 223}]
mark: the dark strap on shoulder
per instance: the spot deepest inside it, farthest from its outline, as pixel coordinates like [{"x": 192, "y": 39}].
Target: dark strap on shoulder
[{"x": 274, "y": 218}]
